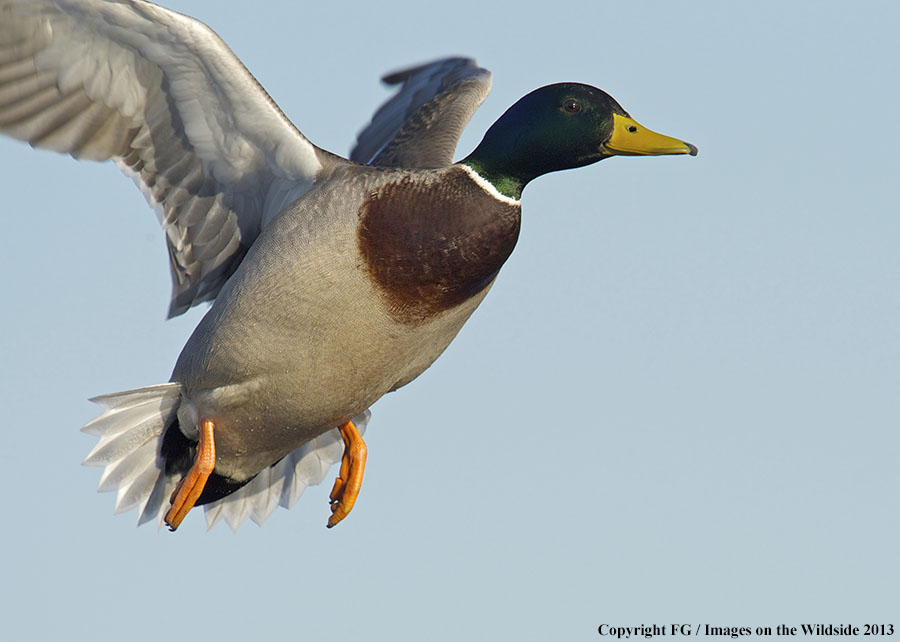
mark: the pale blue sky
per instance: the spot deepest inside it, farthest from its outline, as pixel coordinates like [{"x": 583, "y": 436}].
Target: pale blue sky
[{"x": 678, "y": 404}]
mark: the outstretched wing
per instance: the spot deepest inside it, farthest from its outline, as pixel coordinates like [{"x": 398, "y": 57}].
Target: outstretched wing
[
  {"x": 421, "y": 124},
  {"x": 163, "y": 96}
]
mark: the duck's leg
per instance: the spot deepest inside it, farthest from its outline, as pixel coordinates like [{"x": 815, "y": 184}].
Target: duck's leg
[
  {"x": 191, "y": 486},
  {"x": 353, "y": 463}
]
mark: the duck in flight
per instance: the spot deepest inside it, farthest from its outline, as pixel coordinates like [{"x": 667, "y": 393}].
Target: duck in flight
[{"x": 333, "y": 281}]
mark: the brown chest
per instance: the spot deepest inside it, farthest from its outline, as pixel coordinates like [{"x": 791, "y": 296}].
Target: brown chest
[{"x": 429, "y": 246}]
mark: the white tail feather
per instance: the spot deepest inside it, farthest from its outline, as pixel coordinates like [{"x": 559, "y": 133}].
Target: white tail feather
[
  {"x": 130, "y": 432},
  {"x": 131, "y": 429}
]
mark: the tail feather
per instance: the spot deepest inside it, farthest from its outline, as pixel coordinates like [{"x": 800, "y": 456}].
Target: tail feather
[
  {"x": 135, "y": 490},
  {"x": 121, "y": 473},
  {"x": 130, "y": 421},
  {"x": 131, "y": 430},
  {"x": 157, "y": 503},
  {"x": 132, "y": 397}
]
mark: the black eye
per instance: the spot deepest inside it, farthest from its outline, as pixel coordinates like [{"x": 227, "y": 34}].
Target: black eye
[{"x": 572, "y": 106}]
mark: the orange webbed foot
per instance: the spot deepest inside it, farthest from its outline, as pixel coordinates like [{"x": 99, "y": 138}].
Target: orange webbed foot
[
  {"x": 191, "y": 486},
  {"x": 353, "y": 464}
]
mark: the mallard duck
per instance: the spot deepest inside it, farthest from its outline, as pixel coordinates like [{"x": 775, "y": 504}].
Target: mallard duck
[{"x": 333, "y": 281}]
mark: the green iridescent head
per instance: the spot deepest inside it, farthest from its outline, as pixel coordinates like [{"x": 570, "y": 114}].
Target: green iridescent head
[{"x": 562, "y": 126}]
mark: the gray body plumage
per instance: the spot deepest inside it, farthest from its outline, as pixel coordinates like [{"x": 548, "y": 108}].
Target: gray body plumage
[{"x": 300, "y": 338}]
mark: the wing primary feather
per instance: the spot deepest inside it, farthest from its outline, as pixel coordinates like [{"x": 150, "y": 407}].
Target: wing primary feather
[
  {"x": 162, "y": 95},
  {"x": 420, "y": 125}
]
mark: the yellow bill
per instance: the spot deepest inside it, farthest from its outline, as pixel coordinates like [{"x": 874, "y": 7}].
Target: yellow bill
[{"x": 629, "y": 138}]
